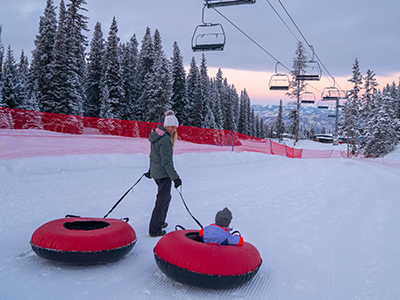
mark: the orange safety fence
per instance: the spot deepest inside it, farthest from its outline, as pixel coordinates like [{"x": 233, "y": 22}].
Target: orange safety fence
[{"x": 22, "y": 119}]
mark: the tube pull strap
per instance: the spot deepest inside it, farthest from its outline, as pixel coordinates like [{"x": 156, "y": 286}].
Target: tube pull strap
[
  {"x": 115, "y": 205},
  {"x": 184, "y": 203}
]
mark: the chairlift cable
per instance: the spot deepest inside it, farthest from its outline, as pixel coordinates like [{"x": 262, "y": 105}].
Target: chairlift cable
[
  {"x": 251, "y": 39},
  {"x": 283, "y": 21},
  {"x": 308, "y": 44}
]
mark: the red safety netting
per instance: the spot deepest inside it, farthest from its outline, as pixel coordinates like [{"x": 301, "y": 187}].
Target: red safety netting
[{"x": 22, "y": 119}]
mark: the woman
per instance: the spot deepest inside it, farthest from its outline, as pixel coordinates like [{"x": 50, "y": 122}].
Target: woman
[{"x": 162, "y": 170}]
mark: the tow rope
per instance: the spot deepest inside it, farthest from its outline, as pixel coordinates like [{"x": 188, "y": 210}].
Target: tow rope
[
  {"x": 187, "y": 208},
  {"x": 116, "y": 204}
]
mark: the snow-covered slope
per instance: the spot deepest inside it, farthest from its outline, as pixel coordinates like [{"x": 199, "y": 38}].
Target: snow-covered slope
[{"x": 325, "y": 228}]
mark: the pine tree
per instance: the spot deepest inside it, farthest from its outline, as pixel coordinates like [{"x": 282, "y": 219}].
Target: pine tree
[
  {"x": 129, "y": 76},
  {"x": 145, "y": 67},
  {"x": 351, "y": 111},
  {"x": 112, "y": 89},
  {"x": 76, "y": 42},
  {"x": 158, "y": 87},
  {"x": 245, "y": 124},
  {"x": 179, "y": 101},
  {"x": 22, "y": 73},
  {"x": 234, "y": 103},
  {"x": 262, "y": 128},
  {"x": 228, "y": 105},
  {"x": 253, "y": 127},
  {"x": 280, "y": 125},
  {"x": 1, "y": 66},
  {"x": 380, "y": 132},
  {"x": 43, "y": 60},
  {"x": 297, "y": 86},
  {"x": 11, "y": 90},
  {"x": 370, "y": 85},
  {"x": 216, "y": 105},
  {"x": 95, "y": 73},
  {"x": 194, "y": 95},
  {"x": 221, "y": 88},
  {"x": 205, "y": 86},
  {"x": 60, "y": 79}
]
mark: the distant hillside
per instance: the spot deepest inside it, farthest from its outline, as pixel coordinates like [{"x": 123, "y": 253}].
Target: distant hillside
[{"x": 309, "y": 115}]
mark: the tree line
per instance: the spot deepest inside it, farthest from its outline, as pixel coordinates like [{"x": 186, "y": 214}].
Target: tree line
[
  {"x": 107, "y": 78},
  {"x": 371, "y": 117}
]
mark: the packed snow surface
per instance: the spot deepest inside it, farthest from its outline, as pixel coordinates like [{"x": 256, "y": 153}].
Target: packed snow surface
[{"x": 325, "y": 228}]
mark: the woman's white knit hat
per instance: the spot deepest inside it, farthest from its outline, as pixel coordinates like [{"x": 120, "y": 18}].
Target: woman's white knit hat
[{"x": 170, "y": 119}]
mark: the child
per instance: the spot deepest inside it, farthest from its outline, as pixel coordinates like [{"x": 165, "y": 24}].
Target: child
[{"x": 219, "y": 233}]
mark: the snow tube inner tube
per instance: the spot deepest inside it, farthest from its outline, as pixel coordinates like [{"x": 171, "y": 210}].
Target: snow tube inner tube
[
  {"x": 182, "y": 256},
  {"x": 79, "y": 240}
]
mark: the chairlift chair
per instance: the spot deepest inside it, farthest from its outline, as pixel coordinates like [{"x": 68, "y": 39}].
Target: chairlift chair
[
  {"x": 323, "y": 105},
  {"x": 216, "y": 3},
  {"x": 208, "y": 37},
  {"x": 330, "y": 93},
  {"x": 279, "y": 81},
  {"x": 312, "y": 71},
  {"x": 307, "y": 97}
]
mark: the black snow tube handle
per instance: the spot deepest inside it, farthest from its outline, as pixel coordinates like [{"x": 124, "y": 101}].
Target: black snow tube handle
[
  {"x": 179, "y": 227},
  {"x": 72, "y": 216},
  {"x": 237, "y": 231}
]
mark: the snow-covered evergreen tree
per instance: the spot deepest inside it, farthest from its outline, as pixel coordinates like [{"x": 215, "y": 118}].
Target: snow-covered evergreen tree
[
  {"x": 194, "y": 95},
  {"x": 244, "y": 125},
  {"x": 179, "y": 101},
  {"x": 145, "y": 66},
  {"x": 158, "y": 87},
  {"x": 11, "y": 90},
  {"x": 380, "y": 132},
  {"x": 129, "y": 76},
  {"x": 297, "y": 87},
  {"x": 23, "y": 72},
  {"x": 235, "y": 106},
  {"x": 222, "y": 90},
  {"x": 1, "y": 66},
  {"x": 43, "y": 60},
  {"x": 95, "y": 73},
  {"x": 370, "y": 89},
  {"x": 112, "y": 83},
  {"x": 228, "y": 105},
  {"x": 76, "y": 43},
  {"x": 351, "y": 110},
  {"x": 205, "y": 85},
  {"x": 215, "y": 98},
  {"x": 60, "y": 79},
  {"x": 279, "y": 124}
]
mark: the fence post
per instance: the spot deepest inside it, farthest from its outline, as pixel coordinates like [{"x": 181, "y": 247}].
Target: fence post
[{"x": 233, "y": 142}]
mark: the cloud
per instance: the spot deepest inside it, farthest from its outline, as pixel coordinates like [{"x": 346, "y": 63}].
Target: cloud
[{"x": 339, "y": 30}]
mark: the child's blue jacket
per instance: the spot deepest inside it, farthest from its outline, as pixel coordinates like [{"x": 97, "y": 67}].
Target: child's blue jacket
[{"x": 219, "y": 235}]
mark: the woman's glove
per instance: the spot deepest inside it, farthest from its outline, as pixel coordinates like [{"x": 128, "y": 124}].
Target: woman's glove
[{"x": 177, "y": 182}]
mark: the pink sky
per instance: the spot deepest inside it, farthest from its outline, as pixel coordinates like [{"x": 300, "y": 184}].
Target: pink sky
[{"x": 256, "y": 84}]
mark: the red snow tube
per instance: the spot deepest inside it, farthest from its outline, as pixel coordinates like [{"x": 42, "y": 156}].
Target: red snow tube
[
  {"x": 182, "y": 256},
  {"x": 83, "y": 240}
]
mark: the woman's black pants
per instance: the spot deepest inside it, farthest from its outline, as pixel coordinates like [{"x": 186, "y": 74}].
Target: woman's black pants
[{"x": 162, "y": 204}]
